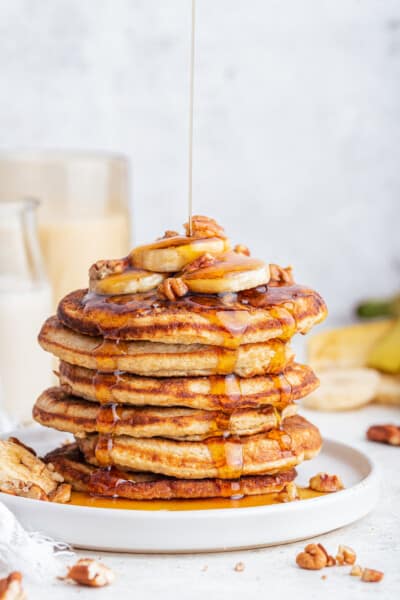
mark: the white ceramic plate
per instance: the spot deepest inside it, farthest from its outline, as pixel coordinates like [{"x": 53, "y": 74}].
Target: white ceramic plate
[{"x": 206, "y": 530}]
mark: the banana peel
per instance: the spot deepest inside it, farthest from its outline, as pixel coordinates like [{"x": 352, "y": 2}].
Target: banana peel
[
  {"x": 346, "y": 358},
  {"x": 346, "y": 347},
  {"x": 385, "y": 354}
]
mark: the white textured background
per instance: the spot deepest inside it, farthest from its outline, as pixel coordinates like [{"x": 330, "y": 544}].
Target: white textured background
[{"x": 297, "y": 119}]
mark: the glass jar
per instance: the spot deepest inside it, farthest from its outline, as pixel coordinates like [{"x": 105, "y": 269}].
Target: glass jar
[
  {"x": 84, "y": 209},
  {"x": 25, "y": 303}
]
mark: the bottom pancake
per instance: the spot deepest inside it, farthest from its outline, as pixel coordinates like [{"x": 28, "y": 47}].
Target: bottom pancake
[
  {"x": 223, "y": 458},
  {"x": 116, "y": 483}
]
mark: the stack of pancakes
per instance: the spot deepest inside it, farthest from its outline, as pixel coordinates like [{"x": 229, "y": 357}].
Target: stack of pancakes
[{"x": 181, "y": 396}]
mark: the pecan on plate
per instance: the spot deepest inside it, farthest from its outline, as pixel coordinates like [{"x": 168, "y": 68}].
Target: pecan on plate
[{"x": 323, "y": 482}]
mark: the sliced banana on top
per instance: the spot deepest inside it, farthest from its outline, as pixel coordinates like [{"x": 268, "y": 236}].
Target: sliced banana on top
[
  {"x": 230, "y": 272},
  {"x": 130, "y": 281},
  {"x": 171, "y": 254},
  {"x": 117, "y": 276},
  {"x": 343, "y": 389}
]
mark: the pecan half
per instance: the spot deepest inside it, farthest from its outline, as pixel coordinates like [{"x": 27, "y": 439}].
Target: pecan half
[
  {"x": 90, "y": 572},
  {"x": 385, "y": 434},
  {"x": 323, "y": 482},
  {"x": 11, "y": 587},
  {"x": 173, "y": 288},
  {"x": 204, "y": 227},
  {"x": 280, "y": 275},
  {"x": 201, "y": 262},
  {"x": 314, "y": 557},
  {"x": 104, "y": 268},
  {"x": 371, "y": 575}
]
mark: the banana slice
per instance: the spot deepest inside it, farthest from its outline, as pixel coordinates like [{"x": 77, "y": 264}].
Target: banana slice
[
  {"x": 230, "y": 272},
  {"x": 171, "y": 254},
  {"x": 130, "y": 281},
  {"x": 117, "y": 276},
  {"x": 343, "y": 389}
]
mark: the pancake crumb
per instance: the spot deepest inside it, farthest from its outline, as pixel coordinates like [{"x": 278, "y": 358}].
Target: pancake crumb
[{"x": 239, "y": 567}]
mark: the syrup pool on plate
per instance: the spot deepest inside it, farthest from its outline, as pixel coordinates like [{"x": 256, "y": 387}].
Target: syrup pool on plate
[{"x": 84, "y": 499}]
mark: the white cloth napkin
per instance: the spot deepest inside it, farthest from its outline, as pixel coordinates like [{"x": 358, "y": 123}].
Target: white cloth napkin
[{"x": 36, "y": 556}]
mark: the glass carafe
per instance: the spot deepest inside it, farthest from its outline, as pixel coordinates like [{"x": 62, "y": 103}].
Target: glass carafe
[
  {"x": 25, "y": 303},
  {"x": 84, "y": 209}
]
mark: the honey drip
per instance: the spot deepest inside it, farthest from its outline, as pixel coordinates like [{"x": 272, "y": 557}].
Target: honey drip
[
  {"x": 104, "y": 384},
  {"x": 108, "y": 352},
  {"x": 227, "y": 456},
  {"x": 103, "y": 450},
  {"x": 108, "y": 417},
  {"x": 236, "y": 501},
  {"x": 227, "y": 390}
]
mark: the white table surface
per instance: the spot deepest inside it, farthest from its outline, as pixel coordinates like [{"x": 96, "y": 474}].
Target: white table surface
[{"x": 272, "y": 572}]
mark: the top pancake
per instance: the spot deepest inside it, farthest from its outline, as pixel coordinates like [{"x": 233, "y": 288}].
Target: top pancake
[{"x": 228, "y": 320}]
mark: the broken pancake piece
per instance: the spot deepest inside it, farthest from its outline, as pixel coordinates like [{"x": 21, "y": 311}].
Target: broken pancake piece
[
  {"x": 22, "y": 473},
  {"x": 117, "y": 483}
]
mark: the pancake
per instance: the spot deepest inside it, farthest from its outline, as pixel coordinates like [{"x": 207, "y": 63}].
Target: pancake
[
  {"x": 228, "y": 320},
  {"x": 116, "y": 483},
  {"x": 224, "y": 458},
  {"x": 59, "y": 410},
  {"x": 218, "y": 392},
  {"x": 154, "y": 359}
]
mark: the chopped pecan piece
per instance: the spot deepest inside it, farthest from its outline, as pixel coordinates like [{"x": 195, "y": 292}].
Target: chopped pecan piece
[
  {"x": 173, "y": 288},
  {"x": 204, "y": 227},
  {"x": 386, "y": 434},
  {"x": 323, "y": 482},
  {"x": 90, "y": 572},
  {"x": 314, "y": 557},
  {"x": 104, "y": 268},
  {"x": 241, "y": 249},
  {"x": 202, "y": 262},
  {"x": 11, "y": 587},
  {"x": 371, "y": 575},
  {"x": 169, "y": 234},
  {"x": 62, "y": 494},
  {"x": 289, "y": 493},
  {"x": 356, "y": 571},
  {"x": 345, "y": 556},
  {"x": 280, "y": 275}
]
